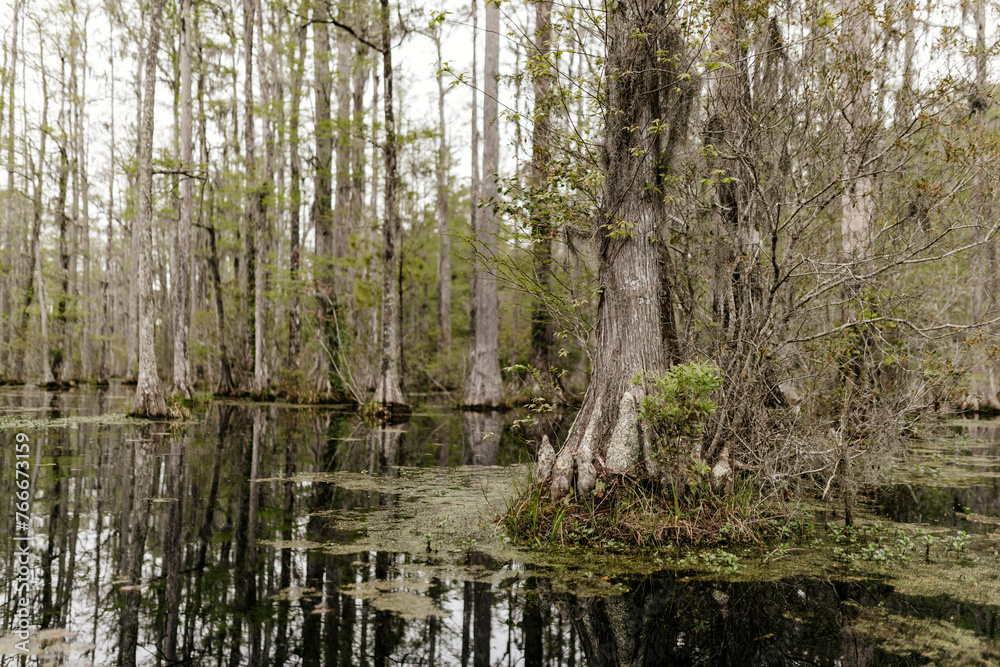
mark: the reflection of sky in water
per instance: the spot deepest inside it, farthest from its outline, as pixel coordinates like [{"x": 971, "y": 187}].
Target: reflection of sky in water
[{"x": 396, "y": 517}]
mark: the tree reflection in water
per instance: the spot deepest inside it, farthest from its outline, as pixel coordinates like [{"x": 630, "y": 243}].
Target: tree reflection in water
[{"x": 220, "y": 542}]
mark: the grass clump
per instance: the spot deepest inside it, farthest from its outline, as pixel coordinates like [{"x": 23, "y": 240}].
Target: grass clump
[{"x": 624, "y": 514}]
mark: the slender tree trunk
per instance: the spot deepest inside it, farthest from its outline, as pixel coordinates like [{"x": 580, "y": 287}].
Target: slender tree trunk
[
  {"x": 444, "y": 233},
  {"x": 83, "y": 220},
  {"x": 148, "y": 394},
  {"x": 295, "y": 202},
  {"x": 322, "y": 211},
  {"x": 133, "y": 308},
  {"x": 484, "y": 387},
  {"x": 226, "y": 384},
  {"x": 182, "y": 243},
  {"x": 856, "y": 201},
  {"x": 265, "y": 200},
  {"x": 34, "y": 259},
  {"x": 342, "y": 221},
  {"x": 389, "y": 393},
  {"x": 857, "y": 211},
  {"x": 984, "y": 390},
  {"x": 474, "y": 214},
  {"x": 541, "y": 227},
  {"x": 107, "y": 321},
  {"x": 14, "y": 339},
  {"x": 62, "y": 222},
  {"x": 252, "y": 195},
  {"x": 358, "y": 134}
]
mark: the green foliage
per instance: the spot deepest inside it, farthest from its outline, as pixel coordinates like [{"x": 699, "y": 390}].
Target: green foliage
[
  {"x": 678, "y": 401},
  {"x": 874, "y": 543}
]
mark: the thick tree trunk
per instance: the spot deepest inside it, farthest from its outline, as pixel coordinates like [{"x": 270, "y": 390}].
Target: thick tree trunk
[
  {"x": 484, "y": 387},
  {"x": 182, "y": 243},
  {"x": 148, "y": 395},
  {"x": 441, "y": 209},
  {"x": 541, "y": 229},
  {"x": 389, "y": 392},
  {"x": 628, "y": 341}
]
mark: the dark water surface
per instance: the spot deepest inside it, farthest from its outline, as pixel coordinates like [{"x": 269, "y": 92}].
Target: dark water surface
[{"x": 281, "y": 535}]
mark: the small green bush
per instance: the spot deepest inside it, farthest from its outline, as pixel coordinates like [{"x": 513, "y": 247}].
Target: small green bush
[{"x": 677, "y": 401}]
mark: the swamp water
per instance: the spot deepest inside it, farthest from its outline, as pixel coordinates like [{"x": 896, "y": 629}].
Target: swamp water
[{"x": 283, "y": 535}]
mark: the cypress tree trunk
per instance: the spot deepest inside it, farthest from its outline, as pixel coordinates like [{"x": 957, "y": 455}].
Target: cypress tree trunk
[
  {"x": 389, "y": 392},
  {"x": 441, "y": 208},
  {"x": 541, "y": 229},
  {"x": 264, "y": 200},
  {"x": 857, "y": 210},
  {"x": 984, "y": 389},
  {"x": 322, "y": 212},
  {"x": 251, "y": 204},
  {"x": 107, "y": 321},
  {"x": 182, "y": 246},
  {"x": 14, "y": 339},
  {"x": 62, "y": 333},
  {"x": 133, "y": 307},
  {"x": 34, "y": 259},
  {"x": 484, "y": 387},
  {"x": 474, "y": 214},
  {"x": 148, "y": 394},
  {"x": 295, "y": 202},
  {"x": 628, "y": 340}
]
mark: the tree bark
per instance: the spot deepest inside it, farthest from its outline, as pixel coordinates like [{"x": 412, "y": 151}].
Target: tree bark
[
  {"x": 62, "y": 333},
  {"x": 295, "y": 202},
  {"x": 251, "y": 204},
  {"x": 82, "y": 221},
  {"x": 14, "y": 339},
  {"x": 484, "y": 387},
  {"x": 389, "y": 392},
  {"x": 856, "y": 201},
  {"x": 441, "y": 209},
  {"x": 107, "y": 322},
  {"x": 474, "y": 184},
  {"x": 34, "y": 260},
  {"x": 133, "y": 308},
  {"x": 541, "y": 228},
  {"x": 264, "y": 200},
  {"x": 984, "y": 386},
  {"x": 628, "y": 341},
  {"x": 182, "y": 244},
  {"x": 322, "y": 210},
  {"x": 148, "y": 394}
]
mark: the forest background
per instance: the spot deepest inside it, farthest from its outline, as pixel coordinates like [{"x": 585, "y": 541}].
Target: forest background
[{"x": 327, "y": 201}]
